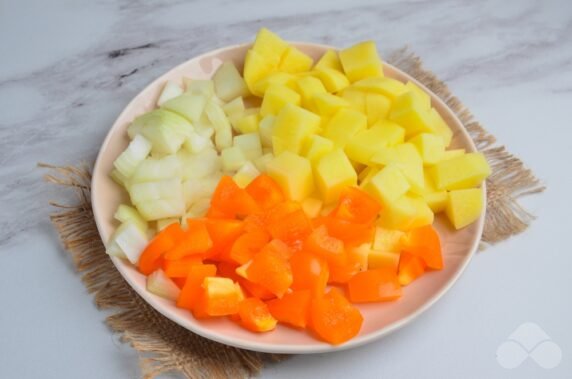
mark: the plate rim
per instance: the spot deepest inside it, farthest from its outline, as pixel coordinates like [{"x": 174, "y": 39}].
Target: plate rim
[{"x": 322, "y": 347}]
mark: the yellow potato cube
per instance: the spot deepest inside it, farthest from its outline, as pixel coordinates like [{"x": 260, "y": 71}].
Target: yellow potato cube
[
  {"x": 465, "y": 171},
  {"x": 377, "y": 107},
  {"x": 331, "y": 60},
  {"x": 316, "y": 147},
  {"x": 326, "y": 104},
  {"x": 293, "y": 60},
  {"x": 276, "y": 78},
  {"x": 383, "y": 259},
  {"x": 292, "y": 127},
  {"x": 308, "y": 87},
  {"x": 430, "y": 146},
  {"x": 419, "y": 93},
  {"x": 464, "y": 206},
  {"x": 356, "y": 99},
  {"x": 440, "y": 126},
  {"x": 406, "y": 213},
  {"x": 293, "y": 173},
  {"x": 333, "y": 80},
  {"x": 269, "y": 46},
  {"x": 448, "y": 154},
  {"x": 406, "y": 157},
  {"x": 344, "y": 125},
  {"x": 276, "y": 97},
  {"x": 333, "y": 173},
  {"x": 312, "y": 207},
  {"x": 387, "y": 240},
  {"x": 388, "y": 185},
  {"x": 247, "y": 123},
  {"x": 409, "y": 112},
  {"x": 266, "y": 130},
  {"x": 361, "y": 61},
  {"x": 388, "y": 87},
  {"x": 435, "y": 199},
  {"x": 256, "y": 67},
  {"x": 366, "y": 175},
  {"x": 366, "y": 143}
]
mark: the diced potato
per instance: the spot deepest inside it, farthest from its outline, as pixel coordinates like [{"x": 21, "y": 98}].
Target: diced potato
[
  {"x": 308, "y": 87},
  {"x": 170, "y": 91},
  {"x": 333, "y": 80},
  {"x": 293, "y": 60},
  {"x": 405, "y": 213},
  {"x": 292, "y": 127},
  {"x": 188, "y": 105},
  {"x": 356, "y": 99},
  {"x": 261, "y": 163},
  {"x": 266, "y": 129},
  {"x": 406, "y": 157},
  {"x": 361, "y": 61},
  {"x": 256, "y": 67},
  {"x": 435, "y": 199},
  {"x": 248, "y": 123},
  {"x": 333, "y": 173},
  {"x": 326, "y": 104},
  {"x": 276, "y": 78},
  {"x": 344, "y": 125},
  {"x": 316, "y": 147},
  {"x": 202, "y": 87},
  {"x": 293, "y": 173},
  {"x": 448, "y": 154},
  {"x": 233, "y": 158},
  {"x": 377, "y": 259},
  {"x": 276, "y": 97},
  {"x": 387, "y": 239},
  {"x": 408, "y": 111},
  {"x": 364, "y": 144},
  {"x": 331, "y": 60},
  {"x": 249, "y": 144},
  {"x": 377, "y": 107},
  {"x": 366, "y": 175},
  {"x": 464, "y": 206},
  {"x": 388, "y": 185},
  {"x": 246, "y": 174},
  {"x": 430, "y": 146},
  {"x": 269, "y": 46},
  {"x": 234, "y": 107},
  {"x": 420, "y": 93},
  {"x": 391, "y": 88},
  {"x": 228, "y": 82},
  {"x": 440, "y": 126},
  {"x": 465, "y": 171},
  {"x": 312, "y": 207}
]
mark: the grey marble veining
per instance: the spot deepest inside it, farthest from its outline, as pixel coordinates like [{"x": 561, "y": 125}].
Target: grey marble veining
[{"x": 68, "y": 68}]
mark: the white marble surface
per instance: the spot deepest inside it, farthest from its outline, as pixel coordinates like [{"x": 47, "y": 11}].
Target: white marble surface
[{"x": 61, "y": 88}]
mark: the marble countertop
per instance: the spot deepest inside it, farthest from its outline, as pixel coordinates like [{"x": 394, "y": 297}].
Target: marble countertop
[{"x": 67, "y": 68}]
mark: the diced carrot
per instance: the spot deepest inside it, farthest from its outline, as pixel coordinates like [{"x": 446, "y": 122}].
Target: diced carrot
[
  {"x": 319, "y": 242},
  {"x": 265, "y": 191},
  {"x": 373, "y": 286},
  {"x": 271, "y": 270},
  {"x": 151, "y": 258},
  {"x": 247, "y": 245},
  {"x": 180, "y": 268},
  {"x": 255, "y": 316},
  {"x": 356, "y": 206},
  {"x": 196, "y": 240},
  {"x": 424, "y": 242},
  {"x": 232, "y": 200},
  {"x": 333, "y": 318},
  {"x": 309, "y": 272},
  {"x": 410, "y": 268},
  {"x": 292, "y": 309},
  {"x": 192, "y": 289}
]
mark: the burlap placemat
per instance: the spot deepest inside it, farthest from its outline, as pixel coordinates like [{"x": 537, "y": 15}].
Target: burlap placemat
[{"x": 164, "y": 346}]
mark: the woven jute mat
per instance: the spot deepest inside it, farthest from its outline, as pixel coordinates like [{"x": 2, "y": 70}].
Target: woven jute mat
[{"x": 164, "y": 346}]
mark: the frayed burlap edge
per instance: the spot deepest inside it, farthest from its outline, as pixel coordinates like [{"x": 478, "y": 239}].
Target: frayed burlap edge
[{"x": 164, "y": 346}]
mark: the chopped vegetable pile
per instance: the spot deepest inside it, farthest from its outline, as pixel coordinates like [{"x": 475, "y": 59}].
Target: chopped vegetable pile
[{"x": 290, "y": 192}]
